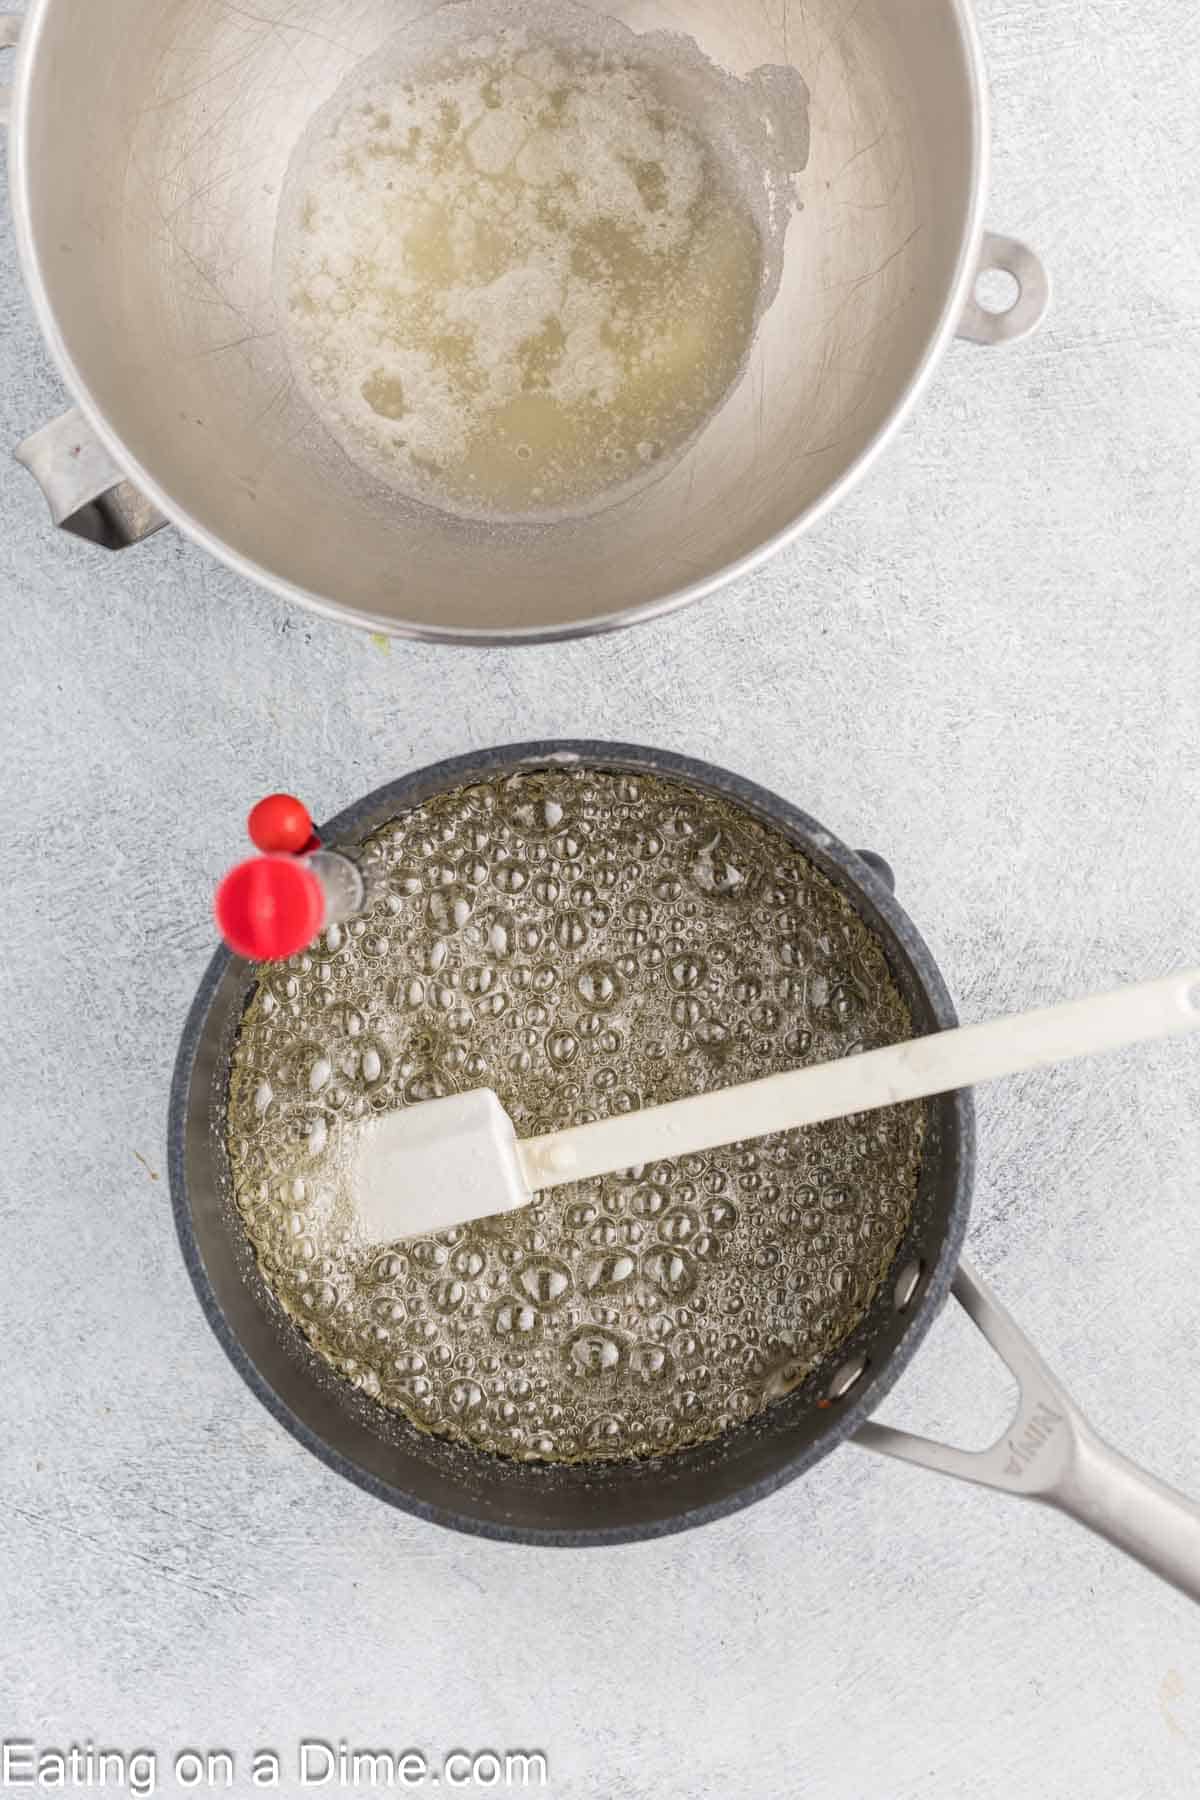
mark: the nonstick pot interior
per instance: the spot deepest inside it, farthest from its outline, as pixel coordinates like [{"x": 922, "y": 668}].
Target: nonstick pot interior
[{"x": 564, "y": 1504}]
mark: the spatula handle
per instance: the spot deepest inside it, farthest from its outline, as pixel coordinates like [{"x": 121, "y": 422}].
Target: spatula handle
[{"x": 910, "y": 1071}]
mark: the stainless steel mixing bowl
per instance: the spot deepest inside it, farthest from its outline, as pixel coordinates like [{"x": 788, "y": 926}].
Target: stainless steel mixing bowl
[{"x": 150, "y": 142}]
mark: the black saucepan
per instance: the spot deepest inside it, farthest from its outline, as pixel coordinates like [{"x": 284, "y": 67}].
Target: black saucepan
[{"x": 1049, "y": 1452}]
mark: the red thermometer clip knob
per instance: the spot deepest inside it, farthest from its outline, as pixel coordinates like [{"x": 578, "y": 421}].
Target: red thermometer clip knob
[
  {"x": 270, "y": 908},
  {"x": 281, "y": 825}
]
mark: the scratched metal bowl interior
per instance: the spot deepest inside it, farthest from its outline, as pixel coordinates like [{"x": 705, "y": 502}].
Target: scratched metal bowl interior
[
  {"x": 586, "y": 944},
  {"x": 187, "y": 117}
]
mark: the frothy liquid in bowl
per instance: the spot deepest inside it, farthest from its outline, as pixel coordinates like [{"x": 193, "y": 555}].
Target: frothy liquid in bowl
[
  {"x": 584, "y": 943},
  {"x": 523, "y": 253}
]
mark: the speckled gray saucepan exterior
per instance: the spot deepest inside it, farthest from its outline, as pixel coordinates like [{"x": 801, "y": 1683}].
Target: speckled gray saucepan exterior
[
  {"x": 150, "y": 144},
  {"x": 595, "y": 1503}
]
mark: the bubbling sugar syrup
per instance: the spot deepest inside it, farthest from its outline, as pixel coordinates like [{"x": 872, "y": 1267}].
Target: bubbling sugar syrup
[{"x": 585, "y": 943}]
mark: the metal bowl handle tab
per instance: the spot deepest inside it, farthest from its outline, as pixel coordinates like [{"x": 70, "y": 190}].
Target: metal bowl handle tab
[
  {"x": 87, "y": 491},
  {"x": 1050, "y": 1453},
  {"x": 979, "y": 324},
  {"x": 10, "y": 34}
]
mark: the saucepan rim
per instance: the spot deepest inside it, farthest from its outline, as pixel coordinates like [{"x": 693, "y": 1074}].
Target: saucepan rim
[{"x": 396, "y": 797}]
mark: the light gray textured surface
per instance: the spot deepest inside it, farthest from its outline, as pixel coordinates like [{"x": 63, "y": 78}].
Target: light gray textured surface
[{"x": 986, "y": 665}]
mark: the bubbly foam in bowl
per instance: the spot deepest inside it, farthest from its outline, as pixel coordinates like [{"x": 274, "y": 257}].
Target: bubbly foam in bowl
[{"x": 523, "y": 254}]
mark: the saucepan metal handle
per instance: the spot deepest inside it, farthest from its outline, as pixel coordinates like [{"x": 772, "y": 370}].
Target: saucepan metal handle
[
  {"x": 979, "y": 324},
  {"x": 87, "y": 492},
  {"x": 1051, "y": 1454}
]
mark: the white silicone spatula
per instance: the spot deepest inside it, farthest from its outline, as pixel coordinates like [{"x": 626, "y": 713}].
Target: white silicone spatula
[{"x": 445, "y": 1162}]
